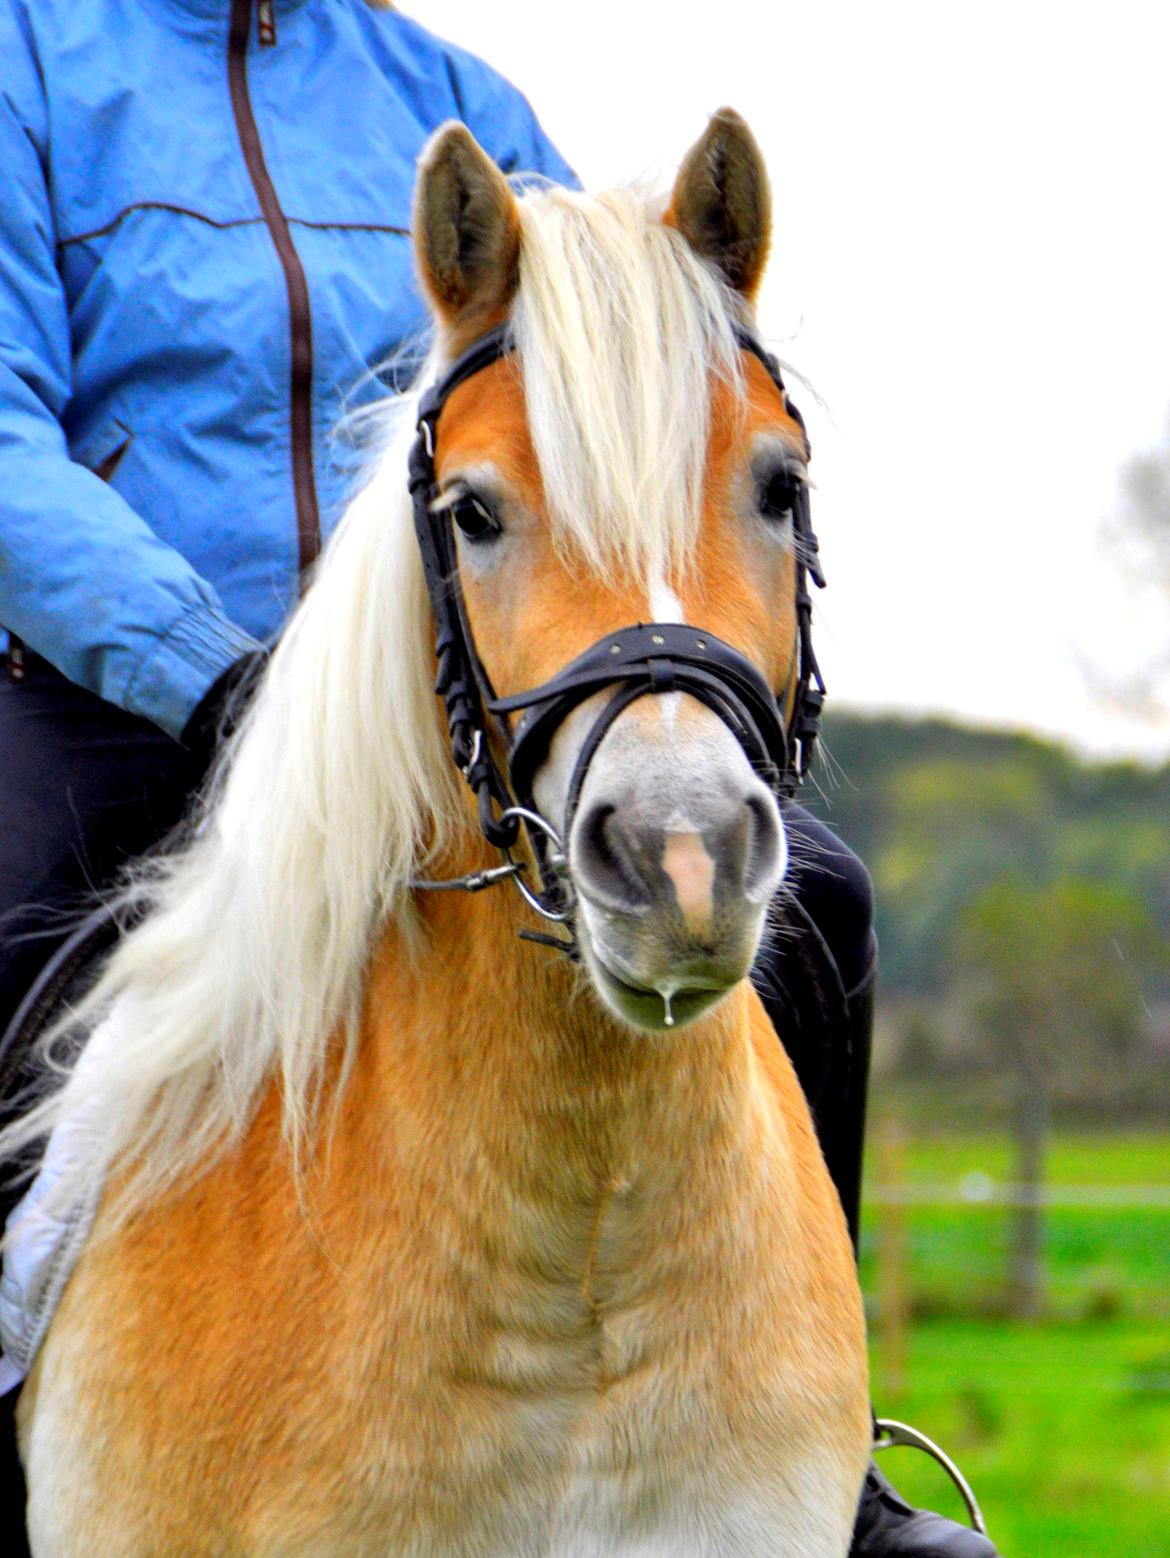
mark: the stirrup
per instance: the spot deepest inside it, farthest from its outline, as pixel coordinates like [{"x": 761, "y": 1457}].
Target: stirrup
[{"x": 890, "y": 1434}]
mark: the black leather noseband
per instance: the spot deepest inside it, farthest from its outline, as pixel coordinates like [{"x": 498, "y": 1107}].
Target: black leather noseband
[
  {"x": 645, "y": 658},
  {"x": 652, "y": 657}
]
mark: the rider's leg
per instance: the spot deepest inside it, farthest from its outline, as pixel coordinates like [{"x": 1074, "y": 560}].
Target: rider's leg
[
  {"x": 84, "y": 788},
  {"x": 815, "y": 976},
  {"x": 13, "y": 1495}
]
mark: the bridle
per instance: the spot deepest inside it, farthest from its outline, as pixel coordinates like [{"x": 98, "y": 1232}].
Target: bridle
[{"x": 646, "y": 658}]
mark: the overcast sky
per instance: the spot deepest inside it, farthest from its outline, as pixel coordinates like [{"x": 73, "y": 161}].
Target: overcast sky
[{"x": 971, "y": 266}]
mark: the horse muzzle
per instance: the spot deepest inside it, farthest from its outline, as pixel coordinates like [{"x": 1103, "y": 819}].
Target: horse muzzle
[{"x": 675, "y": 851}]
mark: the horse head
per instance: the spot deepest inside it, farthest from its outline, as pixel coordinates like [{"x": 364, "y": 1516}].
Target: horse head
[{"x": 625, "y": 470}]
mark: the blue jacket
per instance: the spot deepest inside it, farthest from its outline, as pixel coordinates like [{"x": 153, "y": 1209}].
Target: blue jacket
[{"x": 204, "y": 213}]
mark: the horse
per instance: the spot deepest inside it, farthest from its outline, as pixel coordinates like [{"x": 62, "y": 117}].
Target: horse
[{"x": 410, "y": 1233}]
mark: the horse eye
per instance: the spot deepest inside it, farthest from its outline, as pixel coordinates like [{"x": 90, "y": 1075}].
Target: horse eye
[
  {"x": 474, "y": 518},
  {"x": 777, "y": 494}
]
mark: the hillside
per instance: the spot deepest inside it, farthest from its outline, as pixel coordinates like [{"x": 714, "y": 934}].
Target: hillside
[{"x": 939, "y": 811}]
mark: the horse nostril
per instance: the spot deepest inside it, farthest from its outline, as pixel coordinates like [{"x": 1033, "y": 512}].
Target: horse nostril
[
  {"x": 603, "y": 861},
  {"x": 764, "y": 853}
]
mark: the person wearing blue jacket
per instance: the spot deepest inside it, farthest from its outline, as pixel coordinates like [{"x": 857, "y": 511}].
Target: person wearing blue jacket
[
  {"x": 204, "y": 253},
  {"x": 204, "y": 246}
]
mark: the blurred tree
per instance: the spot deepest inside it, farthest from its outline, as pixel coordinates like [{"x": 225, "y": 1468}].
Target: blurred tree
[
  {"x": 1138, "y": 536},
  {"x": 938, "y": 812},
  {"x": 1146, "y": 484},
  {"x": 1052, "y": 979}
]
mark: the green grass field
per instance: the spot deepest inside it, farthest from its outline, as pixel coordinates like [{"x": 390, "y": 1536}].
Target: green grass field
[{"x": 1063, "y": 1425}]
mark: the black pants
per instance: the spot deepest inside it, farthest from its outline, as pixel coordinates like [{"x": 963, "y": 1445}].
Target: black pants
[{"x": 86, "y": 788}]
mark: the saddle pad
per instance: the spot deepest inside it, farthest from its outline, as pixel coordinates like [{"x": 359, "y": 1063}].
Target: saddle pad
[{"x": 44, "y": 1238}]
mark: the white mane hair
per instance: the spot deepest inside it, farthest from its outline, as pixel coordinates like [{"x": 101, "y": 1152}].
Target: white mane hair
[
  {"x": 620, "y": 328},
  {"x": 248, "y": 963}
]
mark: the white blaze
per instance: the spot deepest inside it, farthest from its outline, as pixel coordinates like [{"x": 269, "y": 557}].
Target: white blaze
[{"x": 665, "y": 606}]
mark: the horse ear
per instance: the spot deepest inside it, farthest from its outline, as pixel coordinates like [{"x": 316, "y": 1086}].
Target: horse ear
[
  {"x": 466, "y": 230},
  {"x": 722, "y": 201}
]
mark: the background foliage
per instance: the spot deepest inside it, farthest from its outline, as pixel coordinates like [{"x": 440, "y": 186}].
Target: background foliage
[{"x": 940, "y": 812}]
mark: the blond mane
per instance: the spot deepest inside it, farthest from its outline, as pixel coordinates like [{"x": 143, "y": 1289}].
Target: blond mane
[{"x": 249, "y": 962}]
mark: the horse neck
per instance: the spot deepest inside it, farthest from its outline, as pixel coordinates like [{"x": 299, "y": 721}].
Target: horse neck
[{"x": 498, "y": 1048}]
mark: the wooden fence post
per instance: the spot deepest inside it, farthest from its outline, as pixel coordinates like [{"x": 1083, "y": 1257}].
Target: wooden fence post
[{"x": 893, "y": 1278}]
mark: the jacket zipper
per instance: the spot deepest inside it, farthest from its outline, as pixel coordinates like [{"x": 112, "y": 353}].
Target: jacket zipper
[{"x": 300, "y": 317}]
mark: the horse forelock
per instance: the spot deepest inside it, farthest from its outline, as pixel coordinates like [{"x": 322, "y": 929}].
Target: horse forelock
[{"x": 621, "y": 330}]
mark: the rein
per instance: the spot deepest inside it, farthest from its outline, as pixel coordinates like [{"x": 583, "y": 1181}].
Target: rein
[{"x": 644, "y": 658}]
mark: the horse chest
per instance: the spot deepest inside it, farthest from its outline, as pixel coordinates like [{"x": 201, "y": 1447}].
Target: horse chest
[
  {"x": 600, "y": 1480},
  {"x": 591, "y": 1426},
  {"x": 636, "y": 1469},
  {"x": 576, "y": 1325}
]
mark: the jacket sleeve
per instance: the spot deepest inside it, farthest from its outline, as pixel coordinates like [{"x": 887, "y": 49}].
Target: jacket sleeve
[{"x": 84, "y": 581}]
